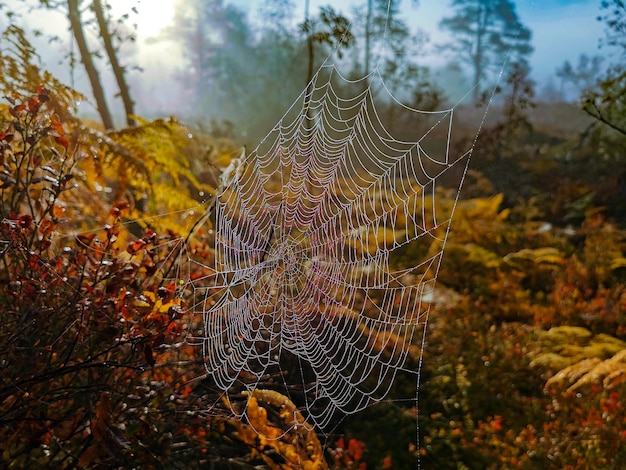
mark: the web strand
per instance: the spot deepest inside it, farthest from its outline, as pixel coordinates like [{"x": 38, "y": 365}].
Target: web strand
[{"x": 306, "y": 226}]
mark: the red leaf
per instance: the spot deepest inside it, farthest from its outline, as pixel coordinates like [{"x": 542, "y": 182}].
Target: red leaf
[
  {"x": 33, "y": 262},
  {"x": 62, "y": 141},
  {"x": 33, "y": 103},
  {"x": 16, "y": 110},
  {"x": 25, "y": 220}
]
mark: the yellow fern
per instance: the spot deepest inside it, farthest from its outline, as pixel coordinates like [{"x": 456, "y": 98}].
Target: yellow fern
[
  {"x": 542, "y": 256},
  {"x": 289, "y": 435},
  {"x": 581, "y": 358}
]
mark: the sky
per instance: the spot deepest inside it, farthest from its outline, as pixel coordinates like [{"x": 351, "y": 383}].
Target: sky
[{"x": 562, "y": 30}]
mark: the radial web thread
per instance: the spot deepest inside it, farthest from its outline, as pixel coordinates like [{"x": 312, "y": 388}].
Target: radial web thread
[{"x": 309, "y": 228}]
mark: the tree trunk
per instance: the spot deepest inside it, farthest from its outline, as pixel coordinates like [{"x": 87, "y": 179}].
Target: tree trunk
[
  {"x": 118, "y": 71},
  {"x": 478, "y": 56},
  {"x": 85, "y": 56}
]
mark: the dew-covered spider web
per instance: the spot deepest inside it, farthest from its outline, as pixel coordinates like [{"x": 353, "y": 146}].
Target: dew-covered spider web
[{"x": 328, "y": 241}]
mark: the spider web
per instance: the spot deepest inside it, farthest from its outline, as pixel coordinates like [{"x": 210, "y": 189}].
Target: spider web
[{"x": 309, "y": 228}]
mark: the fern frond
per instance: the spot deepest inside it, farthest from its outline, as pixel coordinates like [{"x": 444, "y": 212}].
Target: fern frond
[
  {"x": 574, "y": 372},
  {"x": 582, "y": 358},
  {"x": 614, "y": 367}
]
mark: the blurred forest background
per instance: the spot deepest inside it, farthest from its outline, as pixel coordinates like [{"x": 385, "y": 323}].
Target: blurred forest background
[{"x": 525, "y": 362}]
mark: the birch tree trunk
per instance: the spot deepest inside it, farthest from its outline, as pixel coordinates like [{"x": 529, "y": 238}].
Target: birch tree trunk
[
  {"x": 118, "y": 70},
  {"x": 73, "y": 13}
]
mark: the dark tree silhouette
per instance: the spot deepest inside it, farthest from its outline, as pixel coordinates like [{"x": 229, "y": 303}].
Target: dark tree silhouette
[
  {"x": 484, "y": 33},
  {"x": 329, "y": 28},
  {"x": 381, "y": 19}
]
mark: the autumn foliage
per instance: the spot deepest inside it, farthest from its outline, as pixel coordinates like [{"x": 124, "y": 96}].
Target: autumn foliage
[
  {"x": 87, "y": 320},
  {"x": 524, "y": 367}
]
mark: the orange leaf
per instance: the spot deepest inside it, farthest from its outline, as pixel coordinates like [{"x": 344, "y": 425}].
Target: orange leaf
[
  {"x": 58, "y": 127},
  {"x": 46, "y": 227},
  {"x": 58, "y": 211}
]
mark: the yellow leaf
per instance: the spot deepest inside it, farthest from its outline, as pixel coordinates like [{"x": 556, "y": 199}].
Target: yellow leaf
[
  {"x": 546, "y": 255},
  {"x": 480, "y": 255},
  {"x": 618, "y": 263},
  {"x": 551, "y": 360}
]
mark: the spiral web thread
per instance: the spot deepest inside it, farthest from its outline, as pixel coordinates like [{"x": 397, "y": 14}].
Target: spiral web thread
[{"x": 307, "y": 230}]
